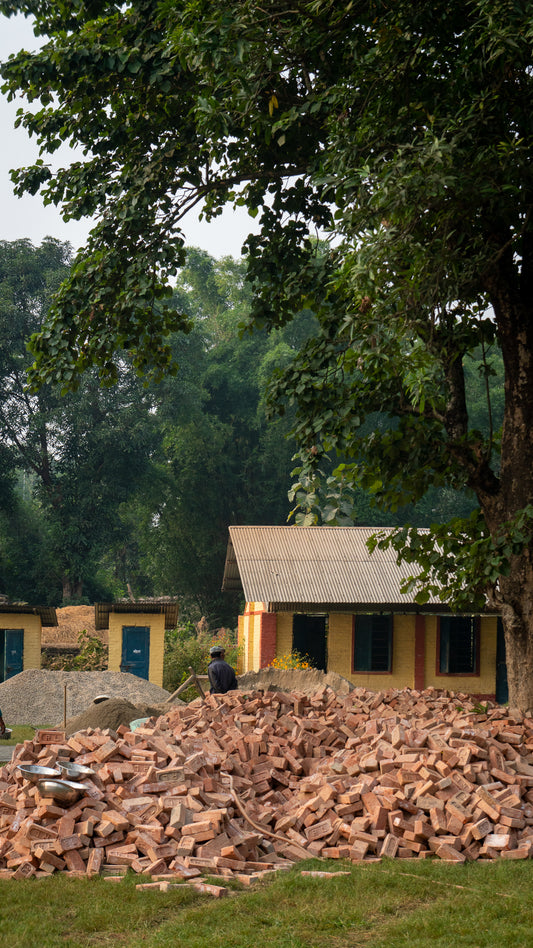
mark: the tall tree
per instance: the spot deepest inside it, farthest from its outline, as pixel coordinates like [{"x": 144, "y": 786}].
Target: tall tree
[
  {"x": 223, "y": 463},
  {"x": 404, "y": 127},
  {"x": 84, "y": 453}
]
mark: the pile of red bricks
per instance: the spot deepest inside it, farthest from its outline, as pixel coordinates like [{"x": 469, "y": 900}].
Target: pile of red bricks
[{"x": 243, "y": 784}]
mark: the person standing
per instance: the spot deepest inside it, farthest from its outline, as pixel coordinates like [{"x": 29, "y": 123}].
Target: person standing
[{"x": 222, "y": 677}]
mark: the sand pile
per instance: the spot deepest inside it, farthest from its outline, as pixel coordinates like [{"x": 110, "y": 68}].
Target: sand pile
[
  {"x": 291, "y": 679},
  {"x": 111, "y": 714}
]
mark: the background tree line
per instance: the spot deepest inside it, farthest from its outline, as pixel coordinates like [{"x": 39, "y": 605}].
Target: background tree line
[{"x": 109, "y": 486}]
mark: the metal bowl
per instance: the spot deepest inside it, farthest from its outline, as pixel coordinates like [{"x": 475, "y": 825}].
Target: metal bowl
[
  {"x": 73, "y": 770},
  {"x": 34, "y": 773},
  {"x": 6, "y": 736},
  {"x": 65, "y": 791}
]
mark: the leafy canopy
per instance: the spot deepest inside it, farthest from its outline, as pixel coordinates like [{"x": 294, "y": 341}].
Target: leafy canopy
[
  {"x": 404, "y": 130},
  {"x": 222, "y": 462},
  {"x": 81, "y": 456}
]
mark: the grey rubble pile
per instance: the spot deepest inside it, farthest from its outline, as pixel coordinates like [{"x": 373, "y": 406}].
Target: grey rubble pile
[{"x": 36, "y": 696}]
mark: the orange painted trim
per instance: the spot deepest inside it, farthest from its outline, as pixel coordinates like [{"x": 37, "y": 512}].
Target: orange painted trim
[{"x": 268, "y": 636}]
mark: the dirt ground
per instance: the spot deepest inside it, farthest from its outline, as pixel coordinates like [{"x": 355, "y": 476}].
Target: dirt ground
[{"x": 71, "y": 621}]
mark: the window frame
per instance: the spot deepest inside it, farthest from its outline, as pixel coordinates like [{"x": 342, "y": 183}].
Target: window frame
[
  {"x": 442, "y": 632},
  {"x": 369, "y": 618}
]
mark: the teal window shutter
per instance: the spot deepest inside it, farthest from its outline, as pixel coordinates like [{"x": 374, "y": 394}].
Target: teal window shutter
[
  {"x": 363, "y": 643},
  {"x": 458, "y": 645},
  {"x": 373, "y": 643}
]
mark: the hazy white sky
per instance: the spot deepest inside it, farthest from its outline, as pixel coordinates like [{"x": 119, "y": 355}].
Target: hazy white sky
[{"x": 28, "y": 217}]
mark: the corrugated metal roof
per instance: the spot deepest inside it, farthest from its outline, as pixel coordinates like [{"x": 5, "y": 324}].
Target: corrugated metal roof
[
  {"x": 48, "y": 614},
  {"x": 170, "y": 608},
  {"x": 320, "y": 567}
]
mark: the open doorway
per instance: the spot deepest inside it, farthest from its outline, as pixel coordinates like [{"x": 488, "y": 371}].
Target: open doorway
[{"x": 309, "y": 637}]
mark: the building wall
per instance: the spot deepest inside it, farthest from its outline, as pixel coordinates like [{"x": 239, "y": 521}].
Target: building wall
[
  {"x": 403, "y": 653},
  {"x": 241, "y": 662},
  {"x": 340, "y": 644},
  {"x": 340, "y": 653},
  {"x": 250, "y": 635},
  {"x": 255, "y": 656},
  {"x": 268, "y": 635},
  {"x": 156, "y": 624},
  {"x": 243, "y": 638},
  {"x": 32, "y": 639},
  {"x": 414, "y": 652},
  {"x": 482, "y": 684},
  {"x": 31, "y": 626},
  {"x": 284, "y": 636}
]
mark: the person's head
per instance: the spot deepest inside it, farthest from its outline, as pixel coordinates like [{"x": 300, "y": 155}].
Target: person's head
[{"x": 217, "y": 652}]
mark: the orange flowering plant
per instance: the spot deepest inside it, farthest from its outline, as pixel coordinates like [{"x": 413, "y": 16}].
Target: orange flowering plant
[{"x": 293, "y": 659}]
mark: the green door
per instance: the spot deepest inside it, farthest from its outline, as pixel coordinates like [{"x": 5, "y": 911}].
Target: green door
[
  {"x": 13, "y": 662},
  {"x": 136, "y": 650}
]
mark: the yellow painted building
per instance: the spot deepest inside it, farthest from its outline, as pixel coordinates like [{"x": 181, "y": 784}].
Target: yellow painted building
[
  {"x": 318, "y": 591},
  {"x": 20, "y": 637},
  {"x": 137, "y": 635},
  {"x": 410, "y": 665}
]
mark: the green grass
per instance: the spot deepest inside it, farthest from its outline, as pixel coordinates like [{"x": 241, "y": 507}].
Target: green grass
[
  {"x": 20, "y": 732},
  {"x": 395, "y": 904}
]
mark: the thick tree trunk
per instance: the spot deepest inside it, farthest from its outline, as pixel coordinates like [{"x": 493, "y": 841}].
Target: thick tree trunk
[
  {"x": 517, "y": 618},
  {"x": 508, "y": 289},
  {"x": 72, "y": 589}
]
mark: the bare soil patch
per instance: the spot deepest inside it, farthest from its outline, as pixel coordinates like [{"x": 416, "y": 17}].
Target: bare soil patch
[{"x": 72, "y": 620}]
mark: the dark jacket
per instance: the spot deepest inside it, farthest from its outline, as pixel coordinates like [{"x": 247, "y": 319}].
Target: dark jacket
[{"x": 221, "y": 677}]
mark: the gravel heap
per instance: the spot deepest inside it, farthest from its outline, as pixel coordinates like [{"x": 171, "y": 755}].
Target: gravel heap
[
  {"x": 306, "y": 681},
  {"x": 36, "y": 696}
]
